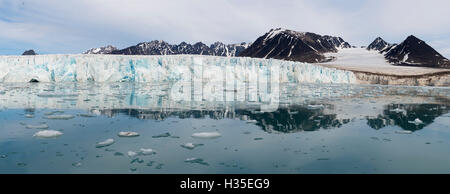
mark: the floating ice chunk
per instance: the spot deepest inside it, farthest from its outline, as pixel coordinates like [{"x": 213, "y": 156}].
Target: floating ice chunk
[
  {"x": 132, "y": 153},
  {"x": 417, "y": 121},
  {"x": 105, "y": 143},
  {"x": 191, "y": 145},
  {"x": 403, "y": 132},
  {"x": 76, "y": 164},
  {"x": 144, "y": 151},
  {"x": 60, "y": 117},
  {"x": 310, "y": 106},
  {"x": 206, "y": 135},
  {"x": 196, "y": 160},
  {"x": 48, "y": 134},
  {"x": 29, "y": 115},
  {"x": 128, "y": 134},
  {"x": 40, "y": 126}
]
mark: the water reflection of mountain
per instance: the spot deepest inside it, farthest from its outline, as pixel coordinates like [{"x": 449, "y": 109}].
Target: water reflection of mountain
[
  {"x": 403, "y": 116},
  {"x": 285, "y": 120}
]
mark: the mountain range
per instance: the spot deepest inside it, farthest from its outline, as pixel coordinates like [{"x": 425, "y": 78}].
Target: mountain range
[
  {"x": 159, "y": 47},
  {"x": 291, "y": 45},
  {"x": 296, "y": 46}
]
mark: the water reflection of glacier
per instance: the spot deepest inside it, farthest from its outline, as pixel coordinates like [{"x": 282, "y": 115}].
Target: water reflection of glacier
[{"x": 298, "y": 107}]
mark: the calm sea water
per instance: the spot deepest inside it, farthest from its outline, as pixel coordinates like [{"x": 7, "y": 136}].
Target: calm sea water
[{"x": 307, "y": 128}]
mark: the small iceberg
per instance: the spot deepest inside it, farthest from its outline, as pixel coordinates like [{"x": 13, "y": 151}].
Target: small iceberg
[
  {"x": 41, "y": 126},
  {"x": 146, "y": 152},
  {"x": 191, "y": 146},
  {"x": 60, "y": 117},
  {"x": 105, "y": 143},
  {"x": 417, "y": 121},
  {"x": 132, "y": 153},
  {"x": 207, "y": 135},
  {"x": 29, "y": 115},
  {"x": 403, "y": 132},
  {"x": 310, "y": 106},
  {"x": 128, "y": 134},
  {"x": 48, "y": 134}
]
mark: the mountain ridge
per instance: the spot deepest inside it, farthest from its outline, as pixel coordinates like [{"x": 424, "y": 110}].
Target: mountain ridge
[{"x": 280, "y": 43}]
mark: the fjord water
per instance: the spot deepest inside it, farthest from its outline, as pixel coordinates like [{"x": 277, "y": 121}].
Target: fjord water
[{"x": 308, "y": 128}]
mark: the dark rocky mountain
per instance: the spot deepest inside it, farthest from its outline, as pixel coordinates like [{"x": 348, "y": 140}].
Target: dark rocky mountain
[
  {"x": 159, "y": 47},
  {"x": 378, "y": 44},
  {"x": 102, "y": 50},
  {"x": 296, "y": 46},
  {"x": 415, "y": 52},
  {"x": 29, "y": 52}
]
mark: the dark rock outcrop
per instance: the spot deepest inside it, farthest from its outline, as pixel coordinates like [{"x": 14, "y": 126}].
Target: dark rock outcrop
[
  {"x": 29, "y": 52},
  {"x": 378, "y": 44}
]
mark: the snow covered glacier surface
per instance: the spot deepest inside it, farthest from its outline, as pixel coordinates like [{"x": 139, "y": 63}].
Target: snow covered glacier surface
[{"x": 118, "y": 68}]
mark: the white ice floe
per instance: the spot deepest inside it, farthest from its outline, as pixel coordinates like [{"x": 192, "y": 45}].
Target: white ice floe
[
  {"x": 206, "y": 135},
  {"x": 144, "y": 151},
  {"x": 190, "y": 145},
  {"x": 40, "y": 126},
  {"x": 105, "y": 143},
  {"x": 128, "y": 134},
  {"x": 132, "y": 153},
  {"x": 417, "y": 121},
  {"x": 48, "y": 134},
  {"x": 319, "y": 106},
  {"x": 403, "y": 132},
  {"x": 59, "y": 117},
  {"x": 29, "y": 115}
]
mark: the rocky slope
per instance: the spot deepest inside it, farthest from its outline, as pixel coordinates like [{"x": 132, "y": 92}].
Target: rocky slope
[
  {"x": 378, "y": 44},
  {"x": 415, "y": 52},
  {"x": 296, "y": 46}
]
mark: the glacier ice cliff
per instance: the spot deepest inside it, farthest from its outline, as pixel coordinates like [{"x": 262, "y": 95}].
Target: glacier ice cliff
[{"x": 118, "y": 68}]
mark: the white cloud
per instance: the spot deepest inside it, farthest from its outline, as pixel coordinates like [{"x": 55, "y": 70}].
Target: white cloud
[{"x": 53, "y": 24}]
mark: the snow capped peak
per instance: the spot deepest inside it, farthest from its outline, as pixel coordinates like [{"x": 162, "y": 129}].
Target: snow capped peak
[
  {"x": 160, "y": 47},
  {"x": 293, "y": 45},
  {"x": 102, "y": 50}
]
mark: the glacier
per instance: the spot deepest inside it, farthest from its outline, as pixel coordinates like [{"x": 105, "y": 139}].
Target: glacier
[{"x": 157, "y": 68}]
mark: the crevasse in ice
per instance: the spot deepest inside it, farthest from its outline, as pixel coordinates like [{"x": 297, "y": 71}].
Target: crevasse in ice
[{"x": 115, "y": 68}]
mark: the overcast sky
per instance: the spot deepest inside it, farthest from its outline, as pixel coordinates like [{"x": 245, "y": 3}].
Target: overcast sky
[{"x": 73, "y": 26}]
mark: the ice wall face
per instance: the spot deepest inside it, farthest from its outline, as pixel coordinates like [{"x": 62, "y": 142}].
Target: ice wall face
[{"x": 112, "y": 68}]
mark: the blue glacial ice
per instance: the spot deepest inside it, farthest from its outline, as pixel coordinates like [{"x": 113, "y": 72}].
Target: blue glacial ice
[{"x": 118, "y": 68}]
